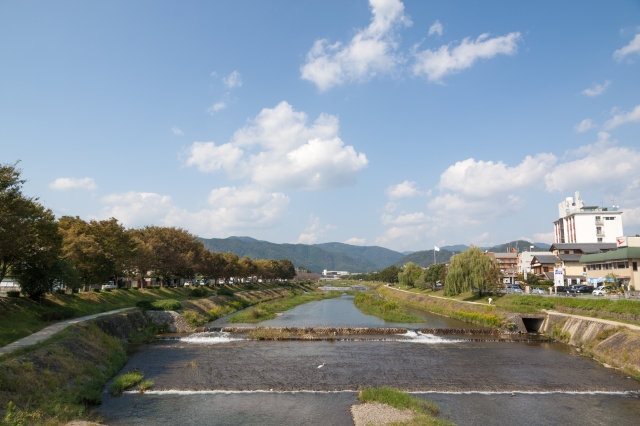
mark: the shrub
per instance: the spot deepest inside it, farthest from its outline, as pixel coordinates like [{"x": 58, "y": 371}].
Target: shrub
[
  {"x": 134, "y": 288},
  {"x": 57, "y": 315},
  {"x": 13, "y": 294},
  {"x": 194, "y": 318},
  {"x": 221, "y": 311},
  {"x": 225, "y": 292},
  {"x": 199, "y": 292},
  {"x": 95, "y": 290},
  {"x": 145, "y": 385},
  {"x": 108, "y": 290},
  {"x": 155, "y": 287},
  {"x": 60, "y": 291},
  {"x": 124, "y": 288},
  {"x": 159, "y": 305},
  {"x": 75, "y": 290},
  {"x": 125, "y": 381}
]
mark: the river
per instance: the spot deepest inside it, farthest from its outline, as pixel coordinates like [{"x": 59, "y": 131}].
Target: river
[{"x": 222, "y": 379}]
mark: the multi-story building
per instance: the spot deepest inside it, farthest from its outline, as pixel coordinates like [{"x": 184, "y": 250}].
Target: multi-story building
[
  {"x": 525, "y": 258},
  {"x": 621, "y": 264},
  {"x": 508, "y": 263},
  {"x": 586, "y": 224}
]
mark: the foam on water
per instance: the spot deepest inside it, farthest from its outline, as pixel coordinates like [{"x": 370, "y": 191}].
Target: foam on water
[
  {"x": 209, "y": 338},
  {"x": 418, "y": 337},
  {"x": 258, "y": 391}
]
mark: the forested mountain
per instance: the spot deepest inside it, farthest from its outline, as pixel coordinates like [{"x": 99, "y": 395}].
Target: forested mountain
[
  {"x": 316, "y": 257},
  {"x": 425, "y": 258}
]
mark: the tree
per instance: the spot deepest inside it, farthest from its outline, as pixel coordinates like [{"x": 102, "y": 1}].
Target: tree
[
  {"x": 436, "y": 272},
  {"x": 247, "y": 267},
  {"x": 389, "y": 274},
  {"x": 286, "y": 270},
  {"x": 410, "y": 274},
  {"x": 213, "y": 265},
  {"x": 471, "y": 270}
]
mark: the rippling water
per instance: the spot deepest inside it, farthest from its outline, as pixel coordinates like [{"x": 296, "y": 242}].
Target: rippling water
[{"x": 224, "y": 379}]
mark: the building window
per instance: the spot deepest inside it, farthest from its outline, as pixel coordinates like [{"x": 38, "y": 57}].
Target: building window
[
  {"x": 599, "y": 240},
  {"x": 635, "y": 266}
]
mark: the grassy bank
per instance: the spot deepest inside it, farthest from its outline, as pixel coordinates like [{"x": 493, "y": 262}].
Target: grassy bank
[
  {"x": 472, "y": 313},
  {"x": 58, "y": 380},
  {"x": 425, "y": 412},
  {"x": 388, "y": 311},
  {"x": 267, "y": 310}
]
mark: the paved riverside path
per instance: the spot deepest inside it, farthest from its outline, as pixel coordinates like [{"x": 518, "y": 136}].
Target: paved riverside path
[
  {"x": 440, "y": 297},
  {"x": 49, "y": 331}
]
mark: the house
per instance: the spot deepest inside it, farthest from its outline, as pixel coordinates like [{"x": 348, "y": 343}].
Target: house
[
  {"x": 578, "y": 223},
  {"x": 543, "y": 265},
  {"x": 573, "y": 271},
  {"x": 622, "y": 263},
  {"x": 508, "y": 264},
  {"x": 525, "y": 258}
]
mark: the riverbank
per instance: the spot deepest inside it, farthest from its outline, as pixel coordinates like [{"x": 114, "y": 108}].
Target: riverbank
[{"x": 267, "y": 310}]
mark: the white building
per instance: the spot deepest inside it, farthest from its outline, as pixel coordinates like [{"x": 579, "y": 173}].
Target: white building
[
  {"x": 525, "y": 258},
  {"x": 338, "y": 273},
  {"x": 586, "y": 224}
]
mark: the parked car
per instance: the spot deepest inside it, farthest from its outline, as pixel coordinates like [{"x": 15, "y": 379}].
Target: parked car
[
  {"x": 187, "y": 284},
  {"x": 514, "y": 289},
  {"x": 538, "y": 290},
  {"x": 563, "y": 289},
  {"x": 600, "y": 291},
  {"x": 109, "y": 286},
  {"x": 582, "y": 289}
]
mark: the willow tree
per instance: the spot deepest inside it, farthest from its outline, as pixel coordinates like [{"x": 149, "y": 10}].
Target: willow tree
[
  {"x": 471, "y": 270},
  {"x": 409, "y": 274}
]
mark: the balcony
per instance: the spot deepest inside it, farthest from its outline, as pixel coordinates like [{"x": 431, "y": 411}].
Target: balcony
[{"x": 599, "y": 222}]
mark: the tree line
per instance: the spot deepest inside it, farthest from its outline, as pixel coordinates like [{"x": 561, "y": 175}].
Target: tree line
[{"x": 41, "y": 251}]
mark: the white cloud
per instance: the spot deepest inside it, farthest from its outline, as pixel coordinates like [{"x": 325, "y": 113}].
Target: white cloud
[
  {"x": 596, "y": 89},
  {"x": 66, "y": 184},
  {"x": 632, "y": 47},
  {"x": 370, "y": 52},
  {"x": 314, "y": 232},
  {"x": 405, "y": 219},
  {"x": 233, "y": 80},
  {"x": 625, "y": 117},
  {"x": 603, "y": 165},
  {"x": 436, "y": 28},
  {"x": 436, "y": 64},
  {"x": 230, "y": 209},
  {"x": 481, "y": 179},
  {"x": 390, "y": 207},
  {"x": 480, "y": 240},
  {"x": 176, "y": 131},
  {"x": 281, "y": 151},
  {"x": 584, "y": 125},
  {"x": 208, "y": 157},
  {"x": 544, "y": 237},
  {"x": 356, "y": 241},
  {"x": 218, "y": 106},
  {"x": 404, "y": 189}
]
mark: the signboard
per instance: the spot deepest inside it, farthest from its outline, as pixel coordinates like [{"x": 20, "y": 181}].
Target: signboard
[
  {"x": 558, "y": 276},
  {"x": 622, "y": 242}
]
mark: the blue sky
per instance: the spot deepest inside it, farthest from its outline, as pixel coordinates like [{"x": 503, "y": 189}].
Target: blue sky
[{"x": 401, "y": 124}]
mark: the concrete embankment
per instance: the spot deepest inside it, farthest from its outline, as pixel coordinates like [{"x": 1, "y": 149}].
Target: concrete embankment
[{"x": 613, "y": 345}]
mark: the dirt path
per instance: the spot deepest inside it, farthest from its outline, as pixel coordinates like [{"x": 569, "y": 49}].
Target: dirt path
[
  {"x": 440, "y": 297},
  {"x": 604, "y": 321},
  {"x": 49, "y": 331}
]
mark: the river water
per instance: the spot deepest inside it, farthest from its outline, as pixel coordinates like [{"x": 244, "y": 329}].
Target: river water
[{"x": 222, "y": 379}]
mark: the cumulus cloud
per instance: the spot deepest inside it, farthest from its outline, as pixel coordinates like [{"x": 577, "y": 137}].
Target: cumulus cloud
[
  {"x": 233, "y": 80},
  {"x": 629, "y": 49},
  {"x": 584, "y": 125},
  {"x": 278, "y": 149},
  {"x": 480, "y": 240},
  {"x": 436, "y": 64},
  {"x": 405, "y": 219},
  {"x": 314, "y": 232},
  {"x": 632, "y": 116},
  {"x": 390, "y": 207},
  {"x": 67, "y": 184},
  {"x": 596, "y": 89},
  {"x": 356, "y": 241},
  {"x": 436, "y": 28},
  {"x": 217, "y": 107},
  {"x": 230, "y": 209},
  {"x": 404, "y": 189},
  {"x": 544, "y": 237},
  {"x": 485, "y": 178},
  {"x": 176, "y": 131},
  {"x": 370, "y": 52}
]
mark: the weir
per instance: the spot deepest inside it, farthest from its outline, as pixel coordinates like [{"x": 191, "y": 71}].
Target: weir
[{"x": 358, "y": 330}]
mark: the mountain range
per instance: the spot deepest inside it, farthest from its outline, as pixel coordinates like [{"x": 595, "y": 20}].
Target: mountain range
[{"x": 345, "y": 257}]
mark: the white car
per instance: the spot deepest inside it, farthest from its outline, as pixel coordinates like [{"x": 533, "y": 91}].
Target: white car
[
  {"x": 110, "y": 286},
  {"x": 600, "y": 291},
  {"x": 538, "y": 290}
]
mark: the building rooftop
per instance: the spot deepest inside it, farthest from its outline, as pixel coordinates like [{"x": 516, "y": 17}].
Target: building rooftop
[
  {"x": 584, "y": 247},
  {"x": 546, "y": 258},
  {"x": 620, "y": 254}
]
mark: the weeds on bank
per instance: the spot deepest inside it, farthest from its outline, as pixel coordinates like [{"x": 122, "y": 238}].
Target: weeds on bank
[
  {"x": 426, "y": 411},
  {"x": 125, "y": 381},
  {"x": 267, "y": 310},
  {"x": 388, "y": 311}
]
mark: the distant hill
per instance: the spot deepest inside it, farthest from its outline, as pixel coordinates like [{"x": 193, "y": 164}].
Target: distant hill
[
  {"x": 314, "y": 257},
  {"x": 425, "y": 258},
  {"x": 406, "y": 253}
]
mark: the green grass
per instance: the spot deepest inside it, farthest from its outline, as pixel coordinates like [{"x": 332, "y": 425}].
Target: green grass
[
  {"x": 125, "y": 381},
  {"x": 388, "y": 311},
  {"x": 159, "y": 305},
  {"x": 267, "y": 310},
  {"x": 596, "y": 306},
  {"x": 426, "y": 411},
  {"x": 21, "y": 317}
]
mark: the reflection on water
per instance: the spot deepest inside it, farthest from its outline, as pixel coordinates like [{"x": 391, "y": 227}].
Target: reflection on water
[{"x": 341, "y": 312}]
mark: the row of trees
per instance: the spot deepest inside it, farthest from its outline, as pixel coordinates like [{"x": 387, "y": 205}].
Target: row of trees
[{"x": 41, "y": 251}]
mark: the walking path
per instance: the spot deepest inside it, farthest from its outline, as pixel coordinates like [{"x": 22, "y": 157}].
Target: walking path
[
  {"x": 604, "y": 321},
  {"x": 440, "y": 297},
  {"x": 49, "y": 331}
]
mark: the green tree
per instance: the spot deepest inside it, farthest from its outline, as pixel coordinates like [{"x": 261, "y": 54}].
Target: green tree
[
  {"x": 436, "y": 272},
  {"x": 409, "y": 274},
  {"x": 213, "y": 265},
  {"x": 389, "y": 274},
  {"x": 471, "y": 270},
  {"x": 286, "y": 270}
]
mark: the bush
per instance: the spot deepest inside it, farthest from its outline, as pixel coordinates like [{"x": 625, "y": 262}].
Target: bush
[
  {"x": 109, "y": 290},
  {"x": 155, "y": 287},
  {"x": 159, "y": 305},
  {"x": 13, "y": 294},
  {"x": 134, "y": 288},
  {"x": 75, "y": 290},
  {"x": 57, "y": 315},
  {"x": 225, "y": 292},
  {"x": 95, "y": 290},
  {"x": 125, "y": 381},
  {"x": 194, "y": 318},
  {"x": 60, "y": 291},
  {"x": 199, "y": 292},
  {"x": 124, "y": 288},
  {"x": 221, "y": 312}
]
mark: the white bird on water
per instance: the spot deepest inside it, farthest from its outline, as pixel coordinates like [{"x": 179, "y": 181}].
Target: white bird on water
[{"x": 321, "y": 365}]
